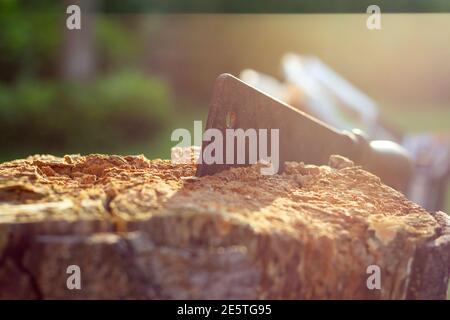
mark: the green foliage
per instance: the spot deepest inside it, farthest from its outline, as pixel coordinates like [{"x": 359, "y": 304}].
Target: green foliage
[
  {"x": 117, "y": 44},
  {"x": 28, "y": 41},
  {"x": 271, "y": 6},
  {"x": 117, "y": 110},
  {"x": 32, "y": 34},
  {"x": 101, "y": 116}
]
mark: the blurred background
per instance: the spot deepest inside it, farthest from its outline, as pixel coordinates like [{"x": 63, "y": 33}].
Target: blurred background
[{"x": 125, "y": 81}]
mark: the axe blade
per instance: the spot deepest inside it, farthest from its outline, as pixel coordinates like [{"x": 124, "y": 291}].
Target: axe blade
[{"x": 237, "y": 105}]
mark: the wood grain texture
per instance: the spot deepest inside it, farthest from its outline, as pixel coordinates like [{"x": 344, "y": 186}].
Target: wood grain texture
[{"x": 147, "y": 229}]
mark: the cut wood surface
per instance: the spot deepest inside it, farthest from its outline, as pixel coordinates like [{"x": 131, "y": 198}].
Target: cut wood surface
[{"x": 148, "y": 229}]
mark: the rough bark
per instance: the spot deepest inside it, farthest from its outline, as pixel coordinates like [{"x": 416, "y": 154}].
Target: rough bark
[{"x": 149, "y": 230}]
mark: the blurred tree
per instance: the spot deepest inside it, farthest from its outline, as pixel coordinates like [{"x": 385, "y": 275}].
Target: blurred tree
[
  {"x": 46, "y": 104},
  {"x": 79, "y": 49}
]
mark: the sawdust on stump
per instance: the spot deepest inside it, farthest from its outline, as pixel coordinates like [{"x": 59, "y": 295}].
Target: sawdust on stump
[{"x": 149, "y": 229}]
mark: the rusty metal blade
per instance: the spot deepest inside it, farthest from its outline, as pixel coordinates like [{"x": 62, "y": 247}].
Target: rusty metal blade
[{"x": 301, "y": 137}]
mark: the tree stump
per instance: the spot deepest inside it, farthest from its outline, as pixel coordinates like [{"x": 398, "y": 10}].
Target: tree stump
[{"x": 148, "y": 229}]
